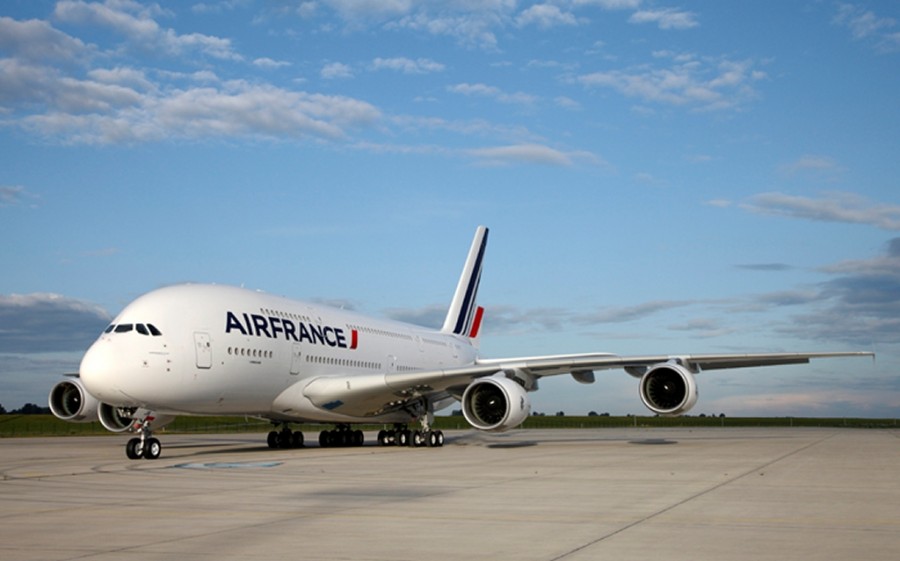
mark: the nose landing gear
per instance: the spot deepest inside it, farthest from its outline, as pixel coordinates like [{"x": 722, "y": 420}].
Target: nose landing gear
[{"x": 145, "y": 446}]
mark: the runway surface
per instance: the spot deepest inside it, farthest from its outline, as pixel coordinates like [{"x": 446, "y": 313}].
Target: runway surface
[{"x": 573, "y": 495}]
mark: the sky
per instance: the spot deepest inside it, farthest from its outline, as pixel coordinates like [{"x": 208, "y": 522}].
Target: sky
[{"x": 658, "y": 177}]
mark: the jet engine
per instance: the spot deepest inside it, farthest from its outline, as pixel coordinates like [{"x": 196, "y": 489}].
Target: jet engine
[
  {"x": 668, "y": 389},
  {"x": 495, "y": 404},
  {"x": 115, "y": 419},
  {"x": 69, "y": 401},
  {"x": 121, "y": 419}
]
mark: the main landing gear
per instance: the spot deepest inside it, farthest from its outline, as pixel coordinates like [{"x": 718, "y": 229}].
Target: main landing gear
[
  {"x": 341, "y": 436},
  {"x": 144, "y": 446},
  {"x": 285, "y": 438},
  {"x": 400, "y": 435}
]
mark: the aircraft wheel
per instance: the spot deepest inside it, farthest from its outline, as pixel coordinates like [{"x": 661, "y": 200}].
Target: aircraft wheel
[
  {"x": 272, "y": 440},
  {"x": 433, "y": 441},
  {"x": 402, "y": 438},
  {"x": 297, "y": 439},
  {"x": 285, "y": 439},
  {"x": 133, "y": 449},
  {"x": 440, "y": 437},
  {"x": 418, "y": 439},
  {"x": 358, "y": 438},
  {"x": 153, "y": 449},
  {"x": 382, "y": 437}
]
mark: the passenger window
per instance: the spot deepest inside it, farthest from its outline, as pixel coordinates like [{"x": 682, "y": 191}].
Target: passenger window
[
  {"x": 124, "y": 328},
  {"x": 153, "y": 330},
  {"x": 142, "y": 329}
]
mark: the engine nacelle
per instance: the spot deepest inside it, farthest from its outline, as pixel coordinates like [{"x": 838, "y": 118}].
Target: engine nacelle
[
  {"x": 495, "y": 404},
  {"x": 116, "y": 419},
  {"x": 69, "y": 401},
  {"x": 668, "y": 389},
  {"x": 121, "y": 419}
]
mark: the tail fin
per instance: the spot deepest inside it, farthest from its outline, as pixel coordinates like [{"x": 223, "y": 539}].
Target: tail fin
[{"x": 464, "y": 316}]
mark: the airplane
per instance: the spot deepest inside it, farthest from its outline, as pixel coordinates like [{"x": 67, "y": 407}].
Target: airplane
[{"x": 204, "y": 349}]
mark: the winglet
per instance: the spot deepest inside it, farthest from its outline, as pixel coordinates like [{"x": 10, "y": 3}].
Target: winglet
[{"x": 463, "y": 317}]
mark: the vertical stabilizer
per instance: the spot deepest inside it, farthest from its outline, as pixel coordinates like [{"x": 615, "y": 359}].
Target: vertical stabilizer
[{"x": 464, "y": 316}]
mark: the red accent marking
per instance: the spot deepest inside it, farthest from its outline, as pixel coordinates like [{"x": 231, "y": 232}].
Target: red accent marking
[
  {"x": 354, "y": 338},
  {"x": 476, "y": 323}
]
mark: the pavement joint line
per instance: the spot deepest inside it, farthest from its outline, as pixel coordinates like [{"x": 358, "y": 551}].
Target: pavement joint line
[{"x": 688, "y": 499}]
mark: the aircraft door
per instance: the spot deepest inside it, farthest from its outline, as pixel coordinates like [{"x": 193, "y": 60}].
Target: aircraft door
[
  {"x": 203, "y": 349},
  {"x": 296, "y": 356}
]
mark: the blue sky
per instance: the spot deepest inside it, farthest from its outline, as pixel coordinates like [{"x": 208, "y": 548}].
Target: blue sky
[{"x": 658, "y": 177}]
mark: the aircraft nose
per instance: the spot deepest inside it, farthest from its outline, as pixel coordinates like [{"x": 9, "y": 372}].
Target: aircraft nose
[{"x": 96, "y": 370}]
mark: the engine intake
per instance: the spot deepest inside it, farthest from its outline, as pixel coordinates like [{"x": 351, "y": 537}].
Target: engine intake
[
  {"x": 69, "y": 401},
  {"x": 495, "y": 404},
  {"x": 668, "y": 389}
]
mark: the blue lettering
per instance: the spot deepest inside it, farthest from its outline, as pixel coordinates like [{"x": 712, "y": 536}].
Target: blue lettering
[
  {"x": 317, "y": 334},
  {"x": 231, "y": 322},
  {"x": 276, "y": 327},
  {"x": 327, "y": 332},
  {"x": 261, "y": 325},
  {"x": 289, "y": 330},
  {"x": 271, "y": 327},
  {"x": 304, "y": 333}
]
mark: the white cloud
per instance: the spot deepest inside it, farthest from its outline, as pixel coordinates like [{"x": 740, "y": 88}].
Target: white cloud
[
  {"x": 38, "y": 40},
  {"x": 690, "y": 81},
  {"x": 43, "y": 322},
  {"x": 407, "y": 65},
  {"x": 265, "y": 62},
  {"x": 528, "y": 153},
  {"x": 545, "y": 16},
  {"x": 831, "y": 207},
  {"x": 666, "y": 18},
  {"x": 865, "y": 25},
  {"x": 817, "y": 166},
  {"x": 11, "y": 195},
  {"x": 94, "y": 112},
  {"x": 136, "y": 23},
  {"x": 336, "y": 70},
  {"x": 483, "y": 90}
]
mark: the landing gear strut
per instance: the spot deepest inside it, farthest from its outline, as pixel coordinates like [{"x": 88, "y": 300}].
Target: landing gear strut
[
  {"x": 285, "y": 438},
  {"x": 144, "y": 446}
]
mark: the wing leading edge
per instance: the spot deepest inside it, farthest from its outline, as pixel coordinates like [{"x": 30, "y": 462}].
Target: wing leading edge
[{"x": 380, "y": 393}]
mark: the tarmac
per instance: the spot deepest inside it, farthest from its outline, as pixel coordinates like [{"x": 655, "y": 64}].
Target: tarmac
[{"x": 544, "y": 495}]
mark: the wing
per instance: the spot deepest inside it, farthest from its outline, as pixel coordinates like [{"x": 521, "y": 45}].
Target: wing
[{"x": 376, "y": 394}]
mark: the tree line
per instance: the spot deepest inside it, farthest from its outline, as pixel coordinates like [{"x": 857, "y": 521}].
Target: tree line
[{"x": 27, "y": 409}]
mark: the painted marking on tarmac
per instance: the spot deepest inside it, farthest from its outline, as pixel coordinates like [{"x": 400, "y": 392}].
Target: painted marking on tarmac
[{"x": 228, "y": 465}]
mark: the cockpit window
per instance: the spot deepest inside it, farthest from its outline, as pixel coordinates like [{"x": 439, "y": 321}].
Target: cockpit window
[{"x": 142, "y": 328}]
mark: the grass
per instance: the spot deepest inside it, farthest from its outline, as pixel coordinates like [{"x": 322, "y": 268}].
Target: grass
[{"x": 48, "y": 425}]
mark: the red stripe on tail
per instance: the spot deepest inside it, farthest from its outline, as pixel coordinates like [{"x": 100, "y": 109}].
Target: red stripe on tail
[{"x": 476, "y": 323}]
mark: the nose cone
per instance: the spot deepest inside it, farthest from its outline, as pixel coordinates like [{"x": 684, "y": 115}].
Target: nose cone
[{"x": 97, "y": 371}]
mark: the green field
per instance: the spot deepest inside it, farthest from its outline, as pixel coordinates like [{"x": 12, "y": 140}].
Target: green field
[{"x": 48, "y": 425}]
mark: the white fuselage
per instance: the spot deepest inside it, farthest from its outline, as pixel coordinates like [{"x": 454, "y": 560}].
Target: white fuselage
[{"x": 209, "y": 349}]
